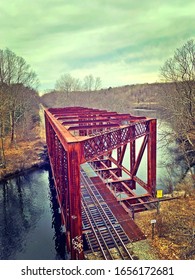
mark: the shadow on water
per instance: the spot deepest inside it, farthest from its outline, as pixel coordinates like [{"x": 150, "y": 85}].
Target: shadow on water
[
  {"x": 30, "y": 223},
  {"x": 56, "y": 220}
]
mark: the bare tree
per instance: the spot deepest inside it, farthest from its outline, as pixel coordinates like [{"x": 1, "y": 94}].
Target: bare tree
[
  {"x": 77, "y": 85},
  {"x": 98, "y": 83},
  {"x": 15, "y": 70},
  {"x": 179, "y": 101},
  {"x": 67, "y": 83},
  {"x": 91, "y": 83},
  {"x": 88, "y": 83},
  {"x": 3, "y": 124},
  {"x": 15, "y": 76}
]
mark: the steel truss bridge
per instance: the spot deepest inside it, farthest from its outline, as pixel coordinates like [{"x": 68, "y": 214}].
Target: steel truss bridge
[{"x": 102, "y": 139}]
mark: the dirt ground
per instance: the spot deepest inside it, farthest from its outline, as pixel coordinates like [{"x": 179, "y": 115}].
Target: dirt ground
[
  {"x": 23, "y": 155},
  {"x": 173, "y": 237}
]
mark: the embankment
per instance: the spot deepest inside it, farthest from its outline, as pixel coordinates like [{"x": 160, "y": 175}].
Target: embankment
[{"x": 24, "y": 156}]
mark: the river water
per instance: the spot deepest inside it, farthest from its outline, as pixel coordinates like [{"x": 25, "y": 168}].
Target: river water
[{"x": 29, "y": 218}]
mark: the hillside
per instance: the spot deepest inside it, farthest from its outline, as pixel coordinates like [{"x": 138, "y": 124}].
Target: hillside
[{"x": 121, "y": 99}]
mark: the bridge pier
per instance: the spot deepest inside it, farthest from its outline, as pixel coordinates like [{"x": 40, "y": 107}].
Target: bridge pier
[{"x": 75, "y": 203}]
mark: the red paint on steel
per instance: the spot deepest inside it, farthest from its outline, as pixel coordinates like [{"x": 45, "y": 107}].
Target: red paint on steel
[
  {"x": 152, "y": 157},
  {"x": 76, "y": 135},
  {"x": 127, "y": 223}
]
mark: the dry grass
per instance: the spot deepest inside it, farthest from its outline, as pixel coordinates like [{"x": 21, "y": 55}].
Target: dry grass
[
  {"x": 23, "y": 154},
  {"x": 173, "y": 235}
]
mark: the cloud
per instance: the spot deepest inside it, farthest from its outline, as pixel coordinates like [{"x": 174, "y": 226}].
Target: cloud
[{"x": 121, "y": 41}]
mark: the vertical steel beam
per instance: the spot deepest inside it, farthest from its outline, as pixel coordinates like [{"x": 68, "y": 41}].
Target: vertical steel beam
[
  {"x": 65, "y": 200},
  {"x": 119, "y": 150},
  {"x": 152, "y": 157},
  {"x": 47, "y": 132},
  {"x": 60, "y": 171},
  {"x": 139, "y": 156},
  {"x": 132, "y": 157},
  {"x": 75, "y": 202},
  {"x": 122, "y": 154}
]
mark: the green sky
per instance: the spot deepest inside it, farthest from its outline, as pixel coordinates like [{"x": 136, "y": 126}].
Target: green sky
[{"x": 123, "y": 42}]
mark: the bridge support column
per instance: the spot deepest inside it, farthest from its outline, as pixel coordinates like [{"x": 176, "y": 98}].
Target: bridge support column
[
  {"x": 132, "y": 159},
  {"x": 152, "y": 157},
  {"x": 119, "y": 151},
  {"x": 76, "y": 238}
]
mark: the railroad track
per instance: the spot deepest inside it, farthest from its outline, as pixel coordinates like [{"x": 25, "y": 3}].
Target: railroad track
[{"x": 102, "y": 231}]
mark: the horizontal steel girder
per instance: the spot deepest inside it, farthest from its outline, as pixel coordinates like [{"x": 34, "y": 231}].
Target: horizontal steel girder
[{"x": 108, "y": 141}]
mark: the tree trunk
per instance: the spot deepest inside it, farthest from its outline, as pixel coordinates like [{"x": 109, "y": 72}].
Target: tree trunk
[
  {"x": 2, "y": 149},
  {"x": 12, "y": 126}
]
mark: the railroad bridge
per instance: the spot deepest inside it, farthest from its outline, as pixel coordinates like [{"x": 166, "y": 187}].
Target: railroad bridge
[{"x": 97, "y": 192}]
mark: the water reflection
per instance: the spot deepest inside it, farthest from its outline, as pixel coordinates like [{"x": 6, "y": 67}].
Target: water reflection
[
  {"x": 169, "y": 170},
  {"x": 59, "y": 237},
  {"x": 29, "y": 218}
]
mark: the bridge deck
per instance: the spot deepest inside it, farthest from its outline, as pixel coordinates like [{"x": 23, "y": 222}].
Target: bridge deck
[
  {"x": 106, "y": 225},
  {"x": 128, "y": 224}
]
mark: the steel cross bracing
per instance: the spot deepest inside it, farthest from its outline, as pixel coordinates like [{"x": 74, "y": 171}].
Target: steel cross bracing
[{"x": 76, "y": 135}]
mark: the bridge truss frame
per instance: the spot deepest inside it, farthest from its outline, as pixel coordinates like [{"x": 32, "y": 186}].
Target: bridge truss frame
[{"x": 76, "y": 135}]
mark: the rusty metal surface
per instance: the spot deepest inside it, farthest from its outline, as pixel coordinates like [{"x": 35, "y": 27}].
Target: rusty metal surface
[
  {"x": 76, "y": 135},
  {"x": 128, "y": 224},
  {"x": 101, "y": 228}
]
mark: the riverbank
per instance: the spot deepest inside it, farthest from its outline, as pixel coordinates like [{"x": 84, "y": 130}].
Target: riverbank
[{"x": 24, "y": 156}]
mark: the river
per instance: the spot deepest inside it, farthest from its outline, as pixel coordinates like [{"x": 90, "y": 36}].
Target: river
[{"x": 29, "y": 218}]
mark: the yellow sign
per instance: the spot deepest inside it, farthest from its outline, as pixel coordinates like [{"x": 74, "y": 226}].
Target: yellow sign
[{"x": 159, "y": 193}]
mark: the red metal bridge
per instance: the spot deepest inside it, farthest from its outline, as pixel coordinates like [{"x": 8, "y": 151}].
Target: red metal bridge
[{"x": 96, "y": 191}]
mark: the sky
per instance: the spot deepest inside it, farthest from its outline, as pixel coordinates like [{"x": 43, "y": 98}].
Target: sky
[{"x": 121, "y": 41}]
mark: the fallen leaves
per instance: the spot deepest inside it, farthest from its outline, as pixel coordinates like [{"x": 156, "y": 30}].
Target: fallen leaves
[
  {"x": 21, "y": 156},
  {"x": 173, "y": 235}
]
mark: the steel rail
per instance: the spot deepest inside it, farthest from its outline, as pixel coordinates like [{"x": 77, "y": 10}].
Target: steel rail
[
  {"x": 107, "y": 222},
  {"x": 94, "y": 229}
]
